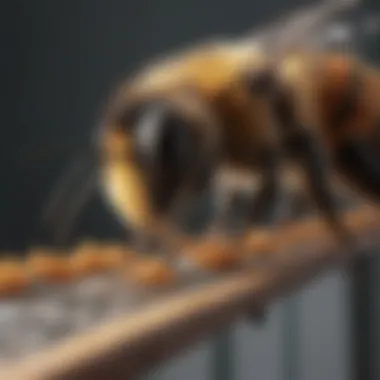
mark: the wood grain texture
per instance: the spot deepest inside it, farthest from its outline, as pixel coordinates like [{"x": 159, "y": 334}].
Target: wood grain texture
[{"x": 127, "y": 347}]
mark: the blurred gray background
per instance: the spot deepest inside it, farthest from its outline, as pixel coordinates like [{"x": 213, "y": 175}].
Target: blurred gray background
[{"x": 59, "y": 60}]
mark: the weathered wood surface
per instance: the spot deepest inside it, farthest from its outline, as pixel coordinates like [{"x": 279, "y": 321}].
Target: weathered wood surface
[{"x": 129, "y": 346}]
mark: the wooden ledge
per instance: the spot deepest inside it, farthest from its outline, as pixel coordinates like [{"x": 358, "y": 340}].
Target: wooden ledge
[{"x": 128, "y": 347}]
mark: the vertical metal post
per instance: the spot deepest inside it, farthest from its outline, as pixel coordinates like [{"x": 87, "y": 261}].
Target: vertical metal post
[
  {"x": 376, "y": 313},
  {"x": 363, "y": 289},
  {"x": 290, "y": 353},
  {"x": 151, "y": 376},
  {"x": 362, "y": 327},
  {"x": 223, "y": 351}
]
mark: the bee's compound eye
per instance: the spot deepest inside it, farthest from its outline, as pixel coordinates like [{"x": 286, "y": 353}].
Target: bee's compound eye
[
  {"x": 165, "y": 148},
  {"x": 163, "y": 136},
  {"x": 177, "y": 139}
]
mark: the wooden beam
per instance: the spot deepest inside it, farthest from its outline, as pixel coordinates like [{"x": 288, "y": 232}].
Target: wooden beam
[{"x": 129, "y": 346}]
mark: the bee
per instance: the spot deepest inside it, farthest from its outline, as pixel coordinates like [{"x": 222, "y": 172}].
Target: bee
[
  {"x": 184, "y": 125},
  {"x": 227, "y": 115}
]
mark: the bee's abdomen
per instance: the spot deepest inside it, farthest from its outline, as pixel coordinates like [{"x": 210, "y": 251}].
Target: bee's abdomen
[
  {"x": 349, "y": 99},
  {"x": 339, "y": 94}
]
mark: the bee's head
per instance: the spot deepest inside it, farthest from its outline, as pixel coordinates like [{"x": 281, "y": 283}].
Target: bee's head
[{"x": 170, "y": 141}]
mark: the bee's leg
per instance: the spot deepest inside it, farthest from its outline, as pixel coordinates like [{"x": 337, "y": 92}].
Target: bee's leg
[
  {"x": 311, "y": 156},
  {"x": 233, "y": 189},
  {"x": 270, "y": 205},
  {"x": 253, "y": 194},
  {"x": 361, "y": 165},
  {"x": 145, "y": 241},
  {"x": 267, "y": 200},
  {"x": 264, "y": 207},
  {"x": 129, "y": 199},
  {"x": 275, "y": 202},
  {"x": 237, "y": 195}
]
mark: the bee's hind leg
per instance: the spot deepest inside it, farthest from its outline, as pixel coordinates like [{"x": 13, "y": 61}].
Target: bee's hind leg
[
  {"x": 311, "y": 158},
  {"x": 360, "y": 164}
]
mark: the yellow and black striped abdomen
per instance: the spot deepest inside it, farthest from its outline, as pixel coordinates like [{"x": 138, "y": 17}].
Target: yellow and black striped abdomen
[
  {"x": 350, "y": 99},
  {"x": 356, "y": 136}
]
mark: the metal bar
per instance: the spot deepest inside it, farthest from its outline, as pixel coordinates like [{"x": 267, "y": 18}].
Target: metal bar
[
  {"x": 362, "y": 330},
  {"x": 128, "y": 347},
  {"x": 223, "y": 356},
  {"x": 290, "y": 339},
  {"x": 376, "y": 315}
]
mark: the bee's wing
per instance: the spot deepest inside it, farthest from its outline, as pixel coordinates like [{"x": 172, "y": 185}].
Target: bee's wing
[
  {"x": 301, "y": 28},
  {"x": 353, "y": 33}
]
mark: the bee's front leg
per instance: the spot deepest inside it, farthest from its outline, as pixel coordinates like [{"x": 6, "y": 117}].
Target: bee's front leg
[
  {"x": 233, "y": 192},
  {"x": 152, "y": 239},
  {"x": 234, "y": 189}
]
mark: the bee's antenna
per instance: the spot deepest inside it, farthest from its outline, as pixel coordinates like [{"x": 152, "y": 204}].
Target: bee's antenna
[
  {"x": 60, "y": 188},
  {"x": 43, "y": 150},
  {"x": 58, "y": 209},
  {"x": 64, "y": 227}
]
